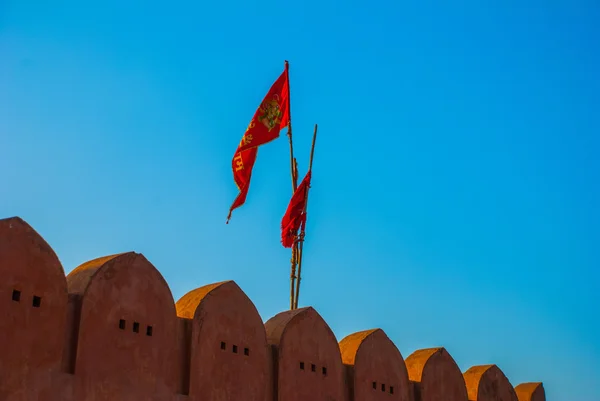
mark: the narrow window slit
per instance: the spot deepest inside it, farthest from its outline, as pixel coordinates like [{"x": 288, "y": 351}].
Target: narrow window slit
[
  {"x": 149, "y": 331},
  {"x": 313, "y": 367},
  {"x": 301, "y": 365},
  {"x": 37, "y": 301},
  {"x": 382, "y": 387},
  {"x": 247, "y": 351},
  {"x": 122, "y": 324},
  {"x": 324, "y": 371},
  {"x": 136, "y": 327},
  {"x": 223, "y": 345},
  {"x": 234, "y": 349},
  {"x": 391, "y": 389},
  {"x": 16, "y": 295},
  {"x": 374, "y": 385}
]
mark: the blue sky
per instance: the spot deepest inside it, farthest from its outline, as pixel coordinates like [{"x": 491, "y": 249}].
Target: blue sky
[{"x": 455, "y": 188}]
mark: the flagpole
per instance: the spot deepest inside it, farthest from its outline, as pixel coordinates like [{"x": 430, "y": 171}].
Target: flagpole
[
  {"x": 300, "y": 242},
  {"x": 294, "y": 174},
  {"x": 294, "y": 259},
  {"x": 289, "y": 133}
]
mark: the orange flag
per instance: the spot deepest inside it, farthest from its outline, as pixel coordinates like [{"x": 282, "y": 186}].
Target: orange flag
[
  {"x": 295, "y": 215},
  {"x": 272, "y": 115}
]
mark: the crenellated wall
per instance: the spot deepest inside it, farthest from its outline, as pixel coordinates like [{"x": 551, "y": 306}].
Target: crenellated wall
[{"x": 111, "y": 331}]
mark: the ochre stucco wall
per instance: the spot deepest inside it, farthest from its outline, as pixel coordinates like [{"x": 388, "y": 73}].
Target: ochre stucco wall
[
  {"x": 435, "y": 376},
  {"x": 375, "y": 369},
  {"x": 307, "y": 363},
  {"x": 488, "y": 383},
  {"x": 126, "y": 310},
  {"x": 111, "y": 331},
  {"x": 229, "y": 357}
]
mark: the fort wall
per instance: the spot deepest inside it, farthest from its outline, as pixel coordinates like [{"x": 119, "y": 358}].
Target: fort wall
[{"x": 111, "y": 331}]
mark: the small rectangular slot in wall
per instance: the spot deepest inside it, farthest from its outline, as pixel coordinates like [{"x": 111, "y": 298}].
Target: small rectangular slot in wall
[
  {"x": 37, "y": 301},
  {"x": 149, "y": 331},
  {"x": 247, "y": 351},
  {"x": 223, "y": 345},
  {"x": 301, "y": 365},
  {"x": 136, "y": 327},
  {"x": 391, "y": 389},
  {"x": 324, "y": 370},
  {"x": 122, "y": 324},
  {"x": 16, "y": 295},
  {"x": 313, "y": 368},
  {"x": 374, "y": 385},
  {"x": 382, "y": 387},
  {"x": 234, "y": 349}
]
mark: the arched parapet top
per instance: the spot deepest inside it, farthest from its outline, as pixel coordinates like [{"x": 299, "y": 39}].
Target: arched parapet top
[
  {"x": 79, "y": 279},
  {"x": 375, "y": 366},
  {"x": 436, "y": 375},
  {"x": 306, "y": 356},
  {"x": 187, "y": 305},
  {"x": 279, "y": 324},
  {"x": 127, "y": 325},
  {"x": 224, "y": 297},
  {"x": 350, "y": 345},
  {"x": 488, "y": 383},
  {"x": 472, "y": 378},
  {"x": 372, "y": 345},
  {"x": 23, "y": 251},
  {"x": 306, "y": 326},
  {"x": 227, "y": 340},
  {"x": 531, "y": 392},
  {"x": 368, "y": 344},
  {"x": 33, "y": 307},
  {"x": 416, "y": 362},
  {"x": 82, "y": 278}
]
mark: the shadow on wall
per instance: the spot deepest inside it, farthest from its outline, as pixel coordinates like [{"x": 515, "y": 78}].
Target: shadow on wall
[{"x": 112, "y": 331}]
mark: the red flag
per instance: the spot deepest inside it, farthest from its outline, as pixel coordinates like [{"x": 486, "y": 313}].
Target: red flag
[
  {"x": 242, "y": 172},
  {"x": 272, "y": 115},
  {"x": 295, "y": 215}
]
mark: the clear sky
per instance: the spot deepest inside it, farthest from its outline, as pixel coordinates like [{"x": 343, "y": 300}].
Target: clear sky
[{"x": 456, "y": 178}]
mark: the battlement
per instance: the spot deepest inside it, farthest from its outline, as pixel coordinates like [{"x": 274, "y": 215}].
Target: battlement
[{"x": 111, "y": 330}]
